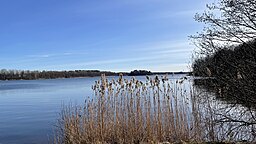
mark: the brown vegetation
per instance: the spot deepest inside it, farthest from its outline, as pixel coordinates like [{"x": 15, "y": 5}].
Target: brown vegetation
[
  {"x": 132, "y": 111},
  {"x": 155, "y": 110}
]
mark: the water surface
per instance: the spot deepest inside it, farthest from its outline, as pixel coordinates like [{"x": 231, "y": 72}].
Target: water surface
[{"x": 29, "y": 108}]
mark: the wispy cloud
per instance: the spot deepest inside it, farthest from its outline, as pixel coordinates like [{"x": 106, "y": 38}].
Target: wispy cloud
[
  {"x": 108, "y": 61},
  {"x": 55, "y": 55},
  {"x": 159, "y": 45},
  {"x": 39, "y": 56},
  {"x": 119, "y": 61},
  {"x": 174, "y": 51},
  {"x": 149, "y": 53}
]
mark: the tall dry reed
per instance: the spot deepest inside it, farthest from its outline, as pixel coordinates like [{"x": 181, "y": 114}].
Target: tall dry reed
[{"x": 156, "y": 110}]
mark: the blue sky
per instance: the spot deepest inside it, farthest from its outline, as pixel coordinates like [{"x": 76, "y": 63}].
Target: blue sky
[{"x": 115, "y": 35}]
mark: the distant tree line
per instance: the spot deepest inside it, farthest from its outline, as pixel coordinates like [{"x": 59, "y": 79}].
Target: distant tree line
[
  {"x": 145, "y": 72},
  {"x": 140, "y": 72},
  {"x": 30, "y": 75}
]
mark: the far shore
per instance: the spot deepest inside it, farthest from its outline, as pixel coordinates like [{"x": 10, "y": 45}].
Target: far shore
[{"x": 43, "y": 75}]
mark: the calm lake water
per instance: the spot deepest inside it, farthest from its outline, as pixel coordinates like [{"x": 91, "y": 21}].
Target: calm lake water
[{"x": 29, "y": 109}]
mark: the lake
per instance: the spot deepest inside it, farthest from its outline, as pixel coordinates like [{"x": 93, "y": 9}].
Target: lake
[{"x": 29, "y": 108}]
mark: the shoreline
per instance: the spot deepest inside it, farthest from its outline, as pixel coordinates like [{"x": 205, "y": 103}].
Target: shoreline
[{"x": 117, "y": 74}]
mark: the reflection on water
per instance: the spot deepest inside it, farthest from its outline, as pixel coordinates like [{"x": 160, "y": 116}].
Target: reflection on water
[{"x": 224, "y": 120}]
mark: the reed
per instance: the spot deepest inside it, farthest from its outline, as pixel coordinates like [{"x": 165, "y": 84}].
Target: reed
[{"x": 157, "y": 110}]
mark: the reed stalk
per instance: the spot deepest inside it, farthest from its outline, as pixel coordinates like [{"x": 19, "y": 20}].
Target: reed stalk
[{"x": 156, "y": 110}]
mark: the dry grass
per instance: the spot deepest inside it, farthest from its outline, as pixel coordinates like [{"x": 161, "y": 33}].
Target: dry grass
[{"x": 131, "y": 111}]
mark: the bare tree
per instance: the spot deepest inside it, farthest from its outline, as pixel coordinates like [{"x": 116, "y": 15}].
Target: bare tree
[
  {"x": 227, "y": 52},
  {"x": 228, "y": 23}
]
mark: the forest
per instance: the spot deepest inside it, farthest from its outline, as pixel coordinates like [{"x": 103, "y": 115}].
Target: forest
[{"x": 31, "y": 75}]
